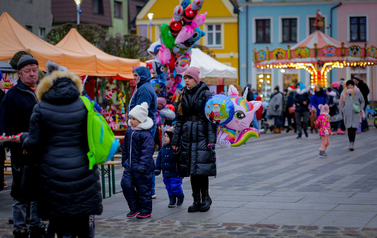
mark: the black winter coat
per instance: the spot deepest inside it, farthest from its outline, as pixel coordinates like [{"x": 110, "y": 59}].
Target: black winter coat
[
  {"x": 194, "y": 132},
  {"x": 15, "y": 112},
  {"x": 166, "y": 162},
  {"x": 58, "y": 131},
  {"x": 364, "y": 89},
  {"x": 301, "y": 97}
]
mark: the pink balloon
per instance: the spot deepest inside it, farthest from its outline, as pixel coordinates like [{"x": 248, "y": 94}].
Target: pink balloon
[
  {"x": 186, "y": 32},
  {"x": 198, "y": 20},
  {"x": 164, "y": 54}
]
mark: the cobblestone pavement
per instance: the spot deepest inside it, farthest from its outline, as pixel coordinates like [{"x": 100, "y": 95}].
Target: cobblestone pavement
[{"x": 274, "y": 186}]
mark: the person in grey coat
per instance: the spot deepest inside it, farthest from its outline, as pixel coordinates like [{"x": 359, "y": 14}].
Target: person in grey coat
[
  {"x": 275, "y": 108},
  {"x": 351, "y": 95}
]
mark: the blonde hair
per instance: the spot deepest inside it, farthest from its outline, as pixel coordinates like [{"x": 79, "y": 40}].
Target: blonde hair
[{"x": 345, "y": 92}]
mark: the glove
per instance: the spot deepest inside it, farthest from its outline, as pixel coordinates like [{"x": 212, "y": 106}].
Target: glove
[
  {"x": 157, "y": 172},
  {"x": 141, "y": 171},
  {"x": 211, "y": 146}
]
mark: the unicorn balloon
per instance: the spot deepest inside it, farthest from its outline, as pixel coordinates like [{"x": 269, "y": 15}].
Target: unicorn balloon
[{"x": 244, "y": 112}]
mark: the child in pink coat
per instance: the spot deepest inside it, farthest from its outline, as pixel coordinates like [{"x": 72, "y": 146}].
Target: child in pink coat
[{"x": 323, "y": 123}]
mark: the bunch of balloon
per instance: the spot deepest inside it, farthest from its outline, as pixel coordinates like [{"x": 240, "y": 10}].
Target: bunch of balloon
[{"x": 172, "y": 53}]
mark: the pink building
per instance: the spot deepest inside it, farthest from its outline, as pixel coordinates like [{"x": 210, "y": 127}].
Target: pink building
[{"x": 357, "y": 25}]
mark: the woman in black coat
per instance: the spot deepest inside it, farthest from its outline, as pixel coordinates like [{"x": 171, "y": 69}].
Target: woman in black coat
[
  {"x": 196, "y": 137},
  {"x": 69, "y": 192}
]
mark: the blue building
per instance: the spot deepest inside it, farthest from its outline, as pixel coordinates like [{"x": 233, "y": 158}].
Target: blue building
[{"x": 273, "y": 24}]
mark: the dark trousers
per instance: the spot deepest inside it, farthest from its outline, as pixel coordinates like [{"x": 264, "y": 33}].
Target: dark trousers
[
  {"x": 351, "y": 134},
  {"x": 66, "y": 227},
  {"x": 304, "y": 117},
  {"x": 199, "y": 183},
  {"x": 2, "y": 158}
]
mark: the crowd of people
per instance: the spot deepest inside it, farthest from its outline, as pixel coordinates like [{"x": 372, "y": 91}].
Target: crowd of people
[
  {"x": 50, "y": 168},
  {"x": 298, "y": 108}
]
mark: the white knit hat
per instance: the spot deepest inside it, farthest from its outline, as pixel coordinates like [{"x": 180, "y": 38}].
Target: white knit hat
[{"x": 140, "y": 112}]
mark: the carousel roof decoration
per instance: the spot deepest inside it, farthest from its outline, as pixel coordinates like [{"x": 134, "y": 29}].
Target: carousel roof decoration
[{"x": 318, "y": 54}]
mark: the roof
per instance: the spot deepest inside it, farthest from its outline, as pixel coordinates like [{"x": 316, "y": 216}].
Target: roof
[{"x": 319, "y": 38}]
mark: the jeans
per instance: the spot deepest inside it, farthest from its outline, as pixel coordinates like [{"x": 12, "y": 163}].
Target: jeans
[
  {"x": 173, "y": 186},
  {"x": 277, "y": 121},
  {"x": 255, "y": 122},
  {"x": 304, "y": 116},
  {"x": 19, "y": 215}
]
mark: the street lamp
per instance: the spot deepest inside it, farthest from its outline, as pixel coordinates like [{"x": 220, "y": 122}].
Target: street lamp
[
  {"x": 150, "y": 16},
  {"x": 78, "y": 3}
]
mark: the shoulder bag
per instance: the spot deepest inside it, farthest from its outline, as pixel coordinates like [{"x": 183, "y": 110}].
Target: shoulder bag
[{"x": 355, "y": 106}]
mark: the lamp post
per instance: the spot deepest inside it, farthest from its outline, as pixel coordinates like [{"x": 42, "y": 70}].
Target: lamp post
[
  {"x": 78, "y": 3},
  {"x": 150, "y": 16}
]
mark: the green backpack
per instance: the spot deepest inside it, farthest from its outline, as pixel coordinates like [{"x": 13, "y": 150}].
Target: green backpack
[{"x": 101, "y": 139}]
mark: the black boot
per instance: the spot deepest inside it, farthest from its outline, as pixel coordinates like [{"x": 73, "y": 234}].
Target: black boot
[
  {"x": 206, "y": 201},
  {"x": 23, "y": 233},
  {"x": 38, "y": 232},
  {"x": 180, "y": 199},
  {"x": 172, "y": 200},
  {"x": 196, "y": 205}
]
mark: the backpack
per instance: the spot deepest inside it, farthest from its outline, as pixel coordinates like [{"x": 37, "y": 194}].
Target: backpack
[{"x": 101, "y": 139}]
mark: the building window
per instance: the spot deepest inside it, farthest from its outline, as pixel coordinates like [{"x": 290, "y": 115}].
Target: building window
[
  {"x": 214, "y": 35},
  {"x": 289, "y": 30},
  {"x": 263, "y": 31},
  {"x": 143, "y": 30},
  {"x": 358, "y": 28},
  {"x": 97, "y": 6},
  {"x": 118, "y": 9},
  {"x": 42, "y": 33},
  {"x": 29, "y": 28},
  {"x": 314, "y": 28}
]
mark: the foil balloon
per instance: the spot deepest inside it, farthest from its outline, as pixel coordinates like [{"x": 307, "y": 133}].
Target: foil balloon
[
  {"x": 195, "y": 38},
  {"x": 164, "y": 54},
  {"x": 188, "y": 30},
  {"x": 154, "y": 48},
  {"x": 175, "y": 22},
  {"x": 158, "y": 87},
  {"x": 171, "y": 107},
  {"x": 191, "y": 11},
  {"x": 167, "y": 113},
  {"x": 219, "y": 109},
  {"x": 167, "y": 38},
  {"x": 244, "y": 112},
  {"x": 185, "y": 3},
  {"x": 161, "y": 103},
  {"x": 182, "y": 63}
]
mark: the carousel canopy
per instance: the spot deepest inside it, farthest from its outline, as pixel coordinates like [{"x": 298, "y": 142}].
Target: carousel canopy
[
  {"x": 319, "y": 38},
  {"x": 17, "y": 38}
]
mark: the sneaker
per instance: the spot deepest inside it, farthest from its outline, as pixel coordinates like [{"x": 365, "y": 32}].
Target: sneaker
[
  {"x": 154, "y": 196},
  {"x": 132, "y": 213},
  {"x": 324, "y": 154},
  {"x": 143, "y": 215},
  {"x": 321, "y": 154},
  {"x": 340, "y": 132},
  {"x": 298, "y": 137}
]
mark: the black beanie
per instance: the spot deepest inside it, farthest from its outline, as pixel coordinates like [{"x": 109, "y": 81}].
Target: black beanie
[
  {"x": 26, "y": 60},
  {"x": 350, "y": 82}
]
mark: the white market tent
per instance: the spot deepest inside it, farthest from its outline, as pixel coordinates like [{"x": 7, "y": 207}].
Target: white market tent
[{"x": 209, "y": 67}]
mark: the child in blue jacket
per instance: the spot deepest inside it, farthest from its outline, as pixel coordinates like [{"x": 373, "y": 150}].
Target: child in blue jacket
[
  {"x": 138, "y": 163},
  {"x": 167, "y": 163}
]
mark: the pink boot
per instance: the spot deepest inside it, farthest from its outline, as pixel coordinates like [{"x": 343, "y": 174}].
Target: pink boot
[{"x": 340, "y": 132}]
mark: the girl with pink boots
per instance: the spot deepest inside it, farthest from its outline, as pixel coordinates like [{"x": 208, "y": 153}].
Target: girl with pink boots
[{"x": 323, "y": 123}]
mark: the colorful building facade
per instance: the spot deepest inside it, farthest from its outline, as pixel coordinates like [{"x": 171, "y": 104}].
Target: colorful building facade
[
  {"x": 220, "y": 26},
  {"x": 275, "y": 24}
]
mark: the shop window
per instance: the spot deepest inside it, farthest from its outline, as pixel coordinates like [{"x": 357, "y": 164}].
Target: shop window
[
  {"x": 358, "y": 28},
  {"x": 313, "y": 28},
  {"x": 289, "y": 30},
  {"x": 289, "y": 79},
  {"x": 118, "y": 9},
  {"x": 214, "y": 35},
  {"x": 263, "y": 31},
  {"x": 98, "y": 7},
  {"x": 264, "y": 86}
]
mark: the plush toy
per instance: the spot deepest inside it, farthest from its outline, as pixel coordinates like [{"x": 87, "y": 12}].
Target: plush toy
[{"x": 243, "y": 115}]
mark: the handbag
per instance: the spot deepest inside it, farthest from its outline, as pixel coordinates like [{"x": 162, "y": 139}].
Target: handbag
[
  {"x": 291, "y": 110},
  {"x": 355, "y": 106}
]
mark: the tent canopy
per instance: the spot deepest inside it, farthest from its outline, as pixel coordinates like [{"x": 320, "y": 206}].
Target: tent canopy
[
  {"x": 17, "y": 38},
  {"x": 209, "y": 67},
  {"x": 5, "y": 67},
  {"x": 106, "y": 64}
]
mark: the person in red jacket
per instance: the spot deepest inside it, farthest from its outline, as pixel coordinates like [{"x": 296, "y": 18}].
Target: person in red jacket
[{"x": 259, "y": 112}]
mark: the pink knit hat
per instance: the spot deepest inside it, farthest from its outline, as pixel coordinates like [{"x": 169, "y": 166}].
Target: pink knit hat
[
  {"x": 335, "y": 84},
  {"x": 193, "y": 72},
  {"x": 324, "y": 109}
]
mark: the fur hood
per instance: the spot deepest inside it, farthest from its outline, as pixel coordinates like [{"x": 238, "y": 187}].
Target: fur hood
[
  {"x": 332, "y": 93},
  {"x": 47, "y": 82},
  {"x": 301, "y": 91}
]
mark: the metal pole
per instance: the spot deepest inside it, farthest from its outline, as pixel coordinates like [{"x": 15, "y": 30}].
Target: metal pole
[
  {"x": 78, "y": 14},
  {"x": 150, "y": 29}
]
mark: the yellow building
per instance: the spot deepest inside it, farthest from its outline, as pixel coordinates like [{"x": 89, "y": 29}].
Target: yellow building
[{"x": 220, "y": 26}]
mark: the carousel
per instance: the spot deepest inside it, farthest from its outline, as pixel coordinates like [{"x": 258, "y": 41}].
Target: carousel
[{"x": 317, "y": 54}]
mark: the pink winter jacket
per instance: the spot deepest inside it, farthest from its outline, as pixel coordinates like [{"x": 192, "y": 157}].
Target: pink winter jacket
[{"x": 323, "y": 123}]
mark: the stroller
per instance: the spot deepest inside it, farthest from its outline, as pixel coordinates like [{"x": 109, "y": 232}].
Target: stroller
[{"x": 265, "y": 126}]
